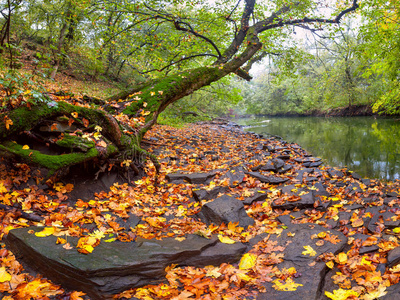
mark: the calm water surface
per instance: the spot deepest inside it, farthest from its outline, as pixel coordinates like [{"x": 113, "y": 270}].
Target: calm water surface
[{"x": 368, "y": 146}]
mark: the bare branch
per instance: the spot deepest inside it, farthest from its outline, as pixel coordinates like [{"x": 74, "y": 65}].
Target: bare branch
[{"x": 192, "y": 31}]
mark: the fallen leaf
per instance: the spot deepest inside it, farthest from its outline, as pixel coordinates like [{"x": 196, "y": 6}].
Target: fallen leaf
[
  {"x": 45, "y": 232},
  {"x": 247, "y": 261},
  {"x": 342, "y": 258},
  {"x": 225, "y": 239},
  {"x": 288, "y": 285},
  {"x": 309, "y": 251},
  {"x": 341, "y": 294},
  {"x": 4, "y": 275}
]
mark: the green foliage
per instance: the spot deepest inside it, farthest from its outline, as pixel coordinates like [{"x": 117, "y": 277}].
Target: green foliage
[
  {"x": 20, "y": 88},
  {"x": 380, "y": 52}
]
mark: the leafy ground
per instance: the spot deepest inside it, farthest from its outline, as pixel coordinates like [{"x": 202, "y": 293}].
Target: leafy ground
[{"x": 168, "y": 210}]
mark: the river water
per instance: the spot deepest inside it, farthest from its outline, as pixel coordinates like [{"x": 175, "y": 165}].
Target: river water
[{"x": 368, "y": 146}]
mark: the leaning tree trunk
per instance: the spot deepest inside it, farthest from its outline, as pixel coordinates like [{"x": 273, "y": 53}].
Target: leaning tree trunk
[{"x": 57, "y": 135}]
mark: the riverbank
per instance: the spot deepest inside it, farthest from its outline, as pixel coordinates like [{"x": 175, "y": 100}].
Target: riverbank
[
  {"x": 233, "y": 214},
  {"x": 348, "y": 111}
]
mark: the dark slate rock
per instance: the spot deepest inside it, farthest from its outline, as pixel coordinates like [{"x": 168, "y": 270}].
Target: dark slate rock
[
  {"x": 320, "y": 190},
  {"x": 316, "y": 164},
  {"x": 392, "y": 194},
  {"x": 225, "y": 209},
  {"x": 256, "y": 197},
  {"x": 194, "y": 178},
  {"x": 365, "y": 249},
  {"x": 311, "y": 277},
  {"x": 393, "y": 292},
  {"x": 355, "y": 175},
  {"x": 385, "y": 214},
  {"x": 366, "y": 181},
  {"x": 235, "y": 176},
  {"x": 307, "y": 159},
  {"x": 335, "y": 173},
  {"x": 203, "y": 194},
  {"x": 301, "y": 173},
  {"x": 283, "y": 156},
  {"x": 353, "y": 188},
  {"x": 305, "y": 201},
  {"x": 272, "y": 165},
  {"x": 268, "y": 179},
  {"x": 393, "y": 257},
  {"x": 387, "y": 200},
  {"x": 115, "y": 267},
  {"x": 285, "y": 169}
]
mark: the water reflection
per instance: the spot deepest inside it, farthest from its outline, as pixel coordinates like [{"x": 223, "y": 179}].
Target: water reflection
[{"x": 369, "y": 146}]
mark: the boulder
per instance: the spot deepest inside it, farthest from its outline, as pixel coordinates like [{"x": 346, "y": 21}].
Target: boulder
[{"x": 225, "y": 209}]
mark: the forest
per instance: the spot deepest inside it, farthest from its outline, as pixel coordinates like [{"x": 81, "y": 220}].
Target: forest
[{"x": 123, "y": 177}]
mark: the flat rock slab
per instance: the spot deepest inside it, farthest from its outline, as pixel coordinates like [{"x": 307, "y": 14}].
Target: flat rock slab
[
  {"x": 311, "y": 273},
  {"x": 194, "y": 178},
  {"x": 268, "y": 179},
  {"x": 114, "y": 267}
]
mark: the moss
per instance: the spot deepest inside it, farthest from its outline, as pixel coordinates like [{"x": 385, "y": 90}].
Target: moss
[
  {"x": 51, "y": 162},
  {"x": 111, "y": 149},
  {"x": 75, "y": 142}
]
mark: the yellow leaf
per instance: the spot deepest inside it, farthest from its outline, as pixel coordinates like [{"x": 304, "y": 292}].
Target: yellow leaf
[
  {"x": 309, "y": 251},
  {"x": 98, "y": 128},
  {"x": 225, "y": 239},
  {"x": 396, "y": 230},
  {"x": 25, "y": 147},
  {"x": 45, "y": 232},
  {"x": 342, "y": 258},
  {"x": 8, "y": 122},
  {"x": 86, "y": 249},
  {"x": 247, "y": 261},
  {"x": 74, "y": 114},
  {"x": 97, "y": 135},
  {"x": 97, "y": 234},
  {"x": 330, "y": 264},
  {"x": 61, "y": 241},
  {"x": 152, "y": 93},
  {"x": 160, "y": 92},
  {"x": 288, "y": 285},
  {"x": 27, "y": 92},
  {"x": 110, "y": 240},
  {"x": 4, "y": 275},
  {"x": 341, "y": 294},
  {"x": 2, "y": 188}
]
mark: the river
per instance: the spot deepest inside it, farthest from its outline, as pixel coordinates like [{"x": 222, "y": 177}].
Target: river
[{"x": 368, "y": 146}]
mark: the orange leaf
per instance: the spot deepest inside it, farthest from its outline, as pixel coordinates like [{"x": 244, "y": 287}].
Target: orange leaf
[
  {"x": 8, "y": 122},
  {"x": 77, "y": 295},
  {"x": 85, "y": 122}
]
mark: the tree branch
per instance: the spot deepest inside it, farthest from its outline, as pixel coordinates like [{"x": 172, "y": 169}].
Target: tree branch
[{"x": 192, "y": 31}]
